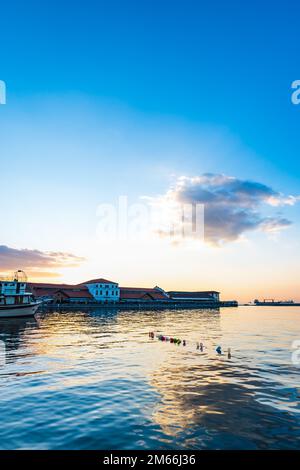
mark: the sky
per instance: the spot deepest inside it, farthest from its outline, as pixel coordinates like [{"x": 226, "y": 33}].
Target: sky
[{"x": 162, "y": 103}]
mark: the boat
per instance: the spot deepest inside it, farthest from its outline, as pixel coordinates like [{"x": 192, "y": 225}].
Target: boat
[
  {"x": 275, "y": 303},
  {"x": 15, "y": 301}
]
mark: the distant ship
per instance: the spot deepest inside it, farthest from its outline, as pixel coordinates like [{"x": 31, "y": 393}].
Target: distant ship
[
  {"x": 276, "y": 303},
  {"x": 15, "y": 301}
]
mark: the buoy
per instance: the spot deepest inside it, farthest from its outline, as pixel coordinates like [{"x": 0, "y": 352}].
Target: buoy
[{"x": 199, "y": 346}]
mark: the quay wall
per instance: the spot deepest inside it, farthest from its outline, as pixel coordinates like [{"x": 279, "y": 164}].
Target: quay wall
[{"x": 155, "y": 305}]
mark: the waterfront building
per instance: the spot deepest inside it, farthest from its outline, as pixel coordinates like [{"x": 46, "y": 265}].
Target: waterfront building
[
  {"x": 142, "y": 294},
  {"x": 205, "y": 296},
  {"x": 74, "y": 295},
  {"x": 102, "y": 290},
  {"x": 96, "y": 290},
  {"x": 46, "y": 292}
]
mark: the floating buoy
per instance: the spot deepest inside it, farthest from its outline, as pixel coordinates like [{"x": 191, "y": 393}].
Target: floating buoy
[{"x": 199, "y": 345}]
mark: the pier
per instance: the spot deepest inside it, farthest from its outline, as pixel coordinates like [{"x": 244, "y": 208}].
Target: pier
[{"x": 154, "y": 305}]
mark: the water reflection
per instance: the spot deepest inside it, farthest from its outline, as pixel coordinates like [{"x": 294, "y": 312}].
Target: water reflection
[
  {"x": 94, "y": 379},
  {"x": 13, "y": 334},
  {"x": 202, "y": 399}
]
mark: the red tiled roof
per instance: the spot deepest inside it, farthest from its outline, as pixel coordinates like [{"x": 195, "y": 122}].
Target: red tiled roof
[
  {"x": 44, "y": 290},
  {"x": 76, "y": 293},
  {"x": 95, "y": 281},
  {"x": 134, "y": 295},
  {"x": 141, "y": 292},
  {"x": 44, "y": 285},
  {"x": 40, "y": 292},
  {"x": 145, "y": 289},
  {"x": 68, "y": 286}
]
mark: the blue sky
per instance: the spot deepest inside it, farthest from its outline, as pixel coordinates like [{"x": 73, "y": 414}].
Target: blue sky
[{"x": 119, "y": 97}]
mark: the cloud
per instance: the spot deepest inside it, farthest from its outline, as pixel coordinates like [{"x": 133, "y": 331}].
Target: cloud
[
  {"x": 32, "y": 260},
  {"x": 231, "y": 206}
]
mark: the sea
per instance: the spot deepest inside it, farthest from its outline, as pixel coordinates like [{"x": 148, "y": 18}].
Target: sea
[{"x": 95, "y": 379}]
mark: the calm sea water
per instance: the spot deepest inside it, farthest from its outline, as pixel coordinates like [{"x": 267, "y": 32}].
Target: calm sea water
[{"x": 94, "y": 380}]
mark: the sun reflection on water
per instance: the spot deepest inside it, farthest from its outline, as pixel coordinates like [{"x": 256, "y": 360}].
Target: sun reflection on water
[{"x": 98, "y": 371}]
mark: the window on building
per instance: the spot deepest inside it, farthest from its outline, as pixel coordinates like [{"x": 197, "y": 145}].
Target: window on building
[{"x": 107, "y": 292}]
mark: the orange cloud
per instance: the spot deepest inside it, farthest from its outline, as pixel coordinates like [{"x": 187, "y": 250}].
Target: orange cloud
[{"x": 34, "y": 261}]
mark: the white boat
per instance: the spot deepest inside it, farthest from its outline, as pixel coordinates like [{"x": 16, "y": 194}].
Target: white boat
[{"x": 15, "y": 301}]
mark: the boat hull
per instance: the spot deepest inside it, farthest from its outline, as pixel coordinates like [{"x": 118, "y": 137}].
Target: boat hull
[{"x": 14, "y": 311}]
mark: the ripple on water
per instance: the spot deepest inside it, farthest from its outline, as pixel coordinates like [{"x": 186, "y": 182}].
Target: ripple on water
[{"x": 94, "y": 380}]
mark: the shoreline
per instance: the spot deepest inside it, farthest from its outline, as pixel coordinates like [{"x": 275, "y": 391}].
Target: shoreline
[{"x": 141, "y": 305}]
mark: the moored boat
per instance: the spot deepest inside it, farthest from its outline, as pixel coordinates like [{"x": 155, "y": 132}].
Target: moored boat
[{"x": 15, "y": 301}]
